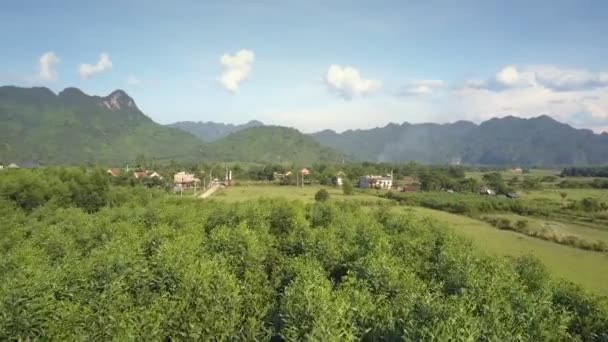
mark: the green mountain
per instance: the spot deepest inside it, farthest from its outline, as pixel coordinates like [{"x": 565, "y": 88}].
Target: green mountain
[
  {"x": 504, "y": 141},
  {"x": 271, "y": 144},
  {"x": 40, "y": 127},
  {"x": 212, "y": 131}
]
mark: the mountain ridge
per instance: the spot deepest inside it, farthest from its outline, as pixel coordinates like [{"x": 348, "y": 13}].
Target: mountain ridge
[{"x": 38, "y": 127}]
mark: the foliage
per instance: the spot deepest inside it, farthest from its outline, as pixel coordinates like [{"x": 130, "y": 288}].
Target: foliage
[
  {"x": 149, "y": 266},
  {"x": 585, "y": 171},
  {"x": 322, "y": 195},
  {"x": 270, "y": 144},
  {"x": 347, "y": 187},
  {"x": 505, "y": 141},
  {"x": 30, "y": 189},
  {"x": 39, "y": 127}
]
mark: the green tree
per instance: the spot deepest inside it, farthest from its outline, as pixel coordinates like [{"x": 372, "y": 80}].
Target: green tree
[
  {"x": 347, "y": 187},
  {"x": 321, "y": 195}
]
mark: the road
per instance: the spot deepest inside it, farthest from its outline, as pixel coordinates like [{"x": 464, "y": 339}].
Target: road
[{"x": 210, "y": 191}]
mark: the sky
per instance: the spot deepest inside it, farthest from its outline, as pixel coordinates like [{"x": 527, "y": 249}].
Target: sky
[{"x": 318, "y": 64}]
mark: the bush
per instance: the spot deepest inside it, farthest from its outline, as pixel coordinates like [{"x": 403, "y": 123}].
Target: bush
[
  {"x": 322, "y": 195},
  {"x": 347, "y": 188}
]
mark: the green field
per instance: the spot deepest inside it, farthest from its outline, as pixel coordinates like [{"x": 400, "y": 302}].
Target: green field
[
  {"x": 510, "y": 174},
  {"x": 559, "y": 228},
  {"x": 306, "y": 193},
  {"x": 572, "y": 194},
  {"x": 587, "y": 268}
]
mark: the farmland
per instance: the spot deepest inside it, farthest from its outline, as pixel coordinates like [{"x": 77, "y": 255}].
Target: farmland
[
  {"x": 587, "y": 268},
  {"x": 85, "y": 257}
]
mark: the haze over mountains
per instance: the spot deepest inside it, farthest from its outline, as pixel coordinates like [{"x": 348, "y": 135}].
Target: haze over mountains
[{"x": 40, "y": 127}]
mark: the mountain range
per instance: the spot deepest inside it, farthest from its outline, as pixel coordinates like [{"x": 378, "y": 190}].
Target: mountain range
[
  {"x": 39, "y": 127},
  {"x": 498, "y": 141}
]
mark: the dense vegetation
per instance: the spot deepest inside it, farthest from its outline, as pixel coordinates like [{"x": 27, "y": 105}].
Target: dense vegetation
[
  {"x": 39, "y": 127},
  {"x": 508, "y": 141},
  {"x": 212, "y": 131},
  {"x": 270, "y": 144},
  {"x": 585, "y": 171},
  {"x": 148, "y": 266}
]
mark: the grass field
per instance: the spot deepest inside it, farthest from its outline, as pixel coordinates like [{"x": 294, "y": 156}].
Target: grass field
[
  {"x": 589, "y": 269},
  {"x": 572, "y": 194},
  {"x": 306, "y": 193},
  {"x": 559, "y": 228},
  {"x": 510, "y": 174}
]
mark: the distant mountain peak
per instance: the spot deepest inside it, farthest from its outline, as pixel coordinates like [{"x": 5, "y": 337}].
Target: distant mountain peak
[
  {"x": 118, "y": 100},
  {"x": 72, "y": 92}
]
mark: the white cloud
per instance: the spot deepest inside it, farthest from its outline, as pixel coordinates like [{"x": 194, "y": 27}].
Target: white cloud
[
  {"x": 47, "y": 64},
  {"x": 545, "y": 76},
  {"x": 133, "y": 81},
  {"x": 88, "y": 70},
  {"x": 422, "y": 87},
  {"x": 560, "y": 79},
  {"x": 575, "y": 96},
  {"x": 237, "y": 68},
  {"x": 348, "y": 83}
]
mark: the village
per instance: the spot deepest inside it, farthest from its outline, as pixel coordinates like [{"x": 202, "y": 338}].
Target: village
[{"x": 199, "y": 183}]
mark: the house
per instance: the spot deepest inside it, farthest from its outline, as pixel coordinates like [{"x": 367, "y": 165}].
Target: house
[
  {"x": 1, "y": 166},
  {"x": 13, "y": 166},
  {"x": 340, "y": 178},
  {"x": 376, "y": 182},
  {"x": 140, "y": 175},
  {"x": 153, "y": 174},
  {"x": 183, "y": 179},
  {"x": 305, "y": 172},
  {"x": 487, "y": 191},
  {"x": 517, "y": 170},
  {"x": 114, "y": 172}
]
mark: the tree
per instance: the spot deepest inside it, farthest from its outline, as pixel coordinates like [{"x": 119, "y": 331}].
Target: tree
[
  {"x": 347, "y": 187},
  {"x": 563, "y": 195},
  {"x": 322, "y": 195}
]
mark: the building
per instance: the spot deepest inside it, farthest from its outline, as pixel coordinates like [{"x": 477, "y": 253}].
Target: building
[
  {"x": 13, "y": 166},
  {"x": 376, "y": 182},
  {"x": 114, "y": 172},
  {"x": 305, "y": 172},
  {"x": 153, "y": 174},
  {"x": 183, "y": 179},
  {"x": 517, "y": 170},
  {"x": 140, "y": 175},
  {"x": 340, "y": 178},
  {"x": 487, "y": 191}
]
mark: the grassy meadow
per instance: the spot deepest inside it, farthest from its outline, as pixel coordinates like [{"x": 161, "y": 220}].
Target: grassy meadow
[
  {"x": 305, "y": 193},
  {"x": 586, "y": 268}
]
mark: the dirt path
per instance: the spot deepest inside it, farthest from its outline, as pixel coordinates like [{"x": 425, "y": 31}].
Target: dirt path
[{"x": 210, "y": 191}]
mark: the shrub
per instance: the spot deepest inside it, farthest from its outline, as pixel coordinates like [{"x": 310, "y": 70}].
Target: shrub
[
  {"x": 347, "y": 187},
  {"x": 322, "y": 195}
]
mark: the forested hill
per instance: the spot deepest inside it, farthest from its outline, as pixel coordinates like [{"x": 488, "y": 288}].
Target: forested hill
[
  {"x": 270, "y": 144},
  {"x": 505, "y": 141},
  {"x": 38, "y": 126},
  {"x": 211, "y": 131}
]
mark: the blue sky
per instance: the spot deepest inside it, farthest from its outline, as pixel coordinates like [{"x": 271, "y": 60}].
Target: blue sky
[{"x": 319, "y": 64}]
